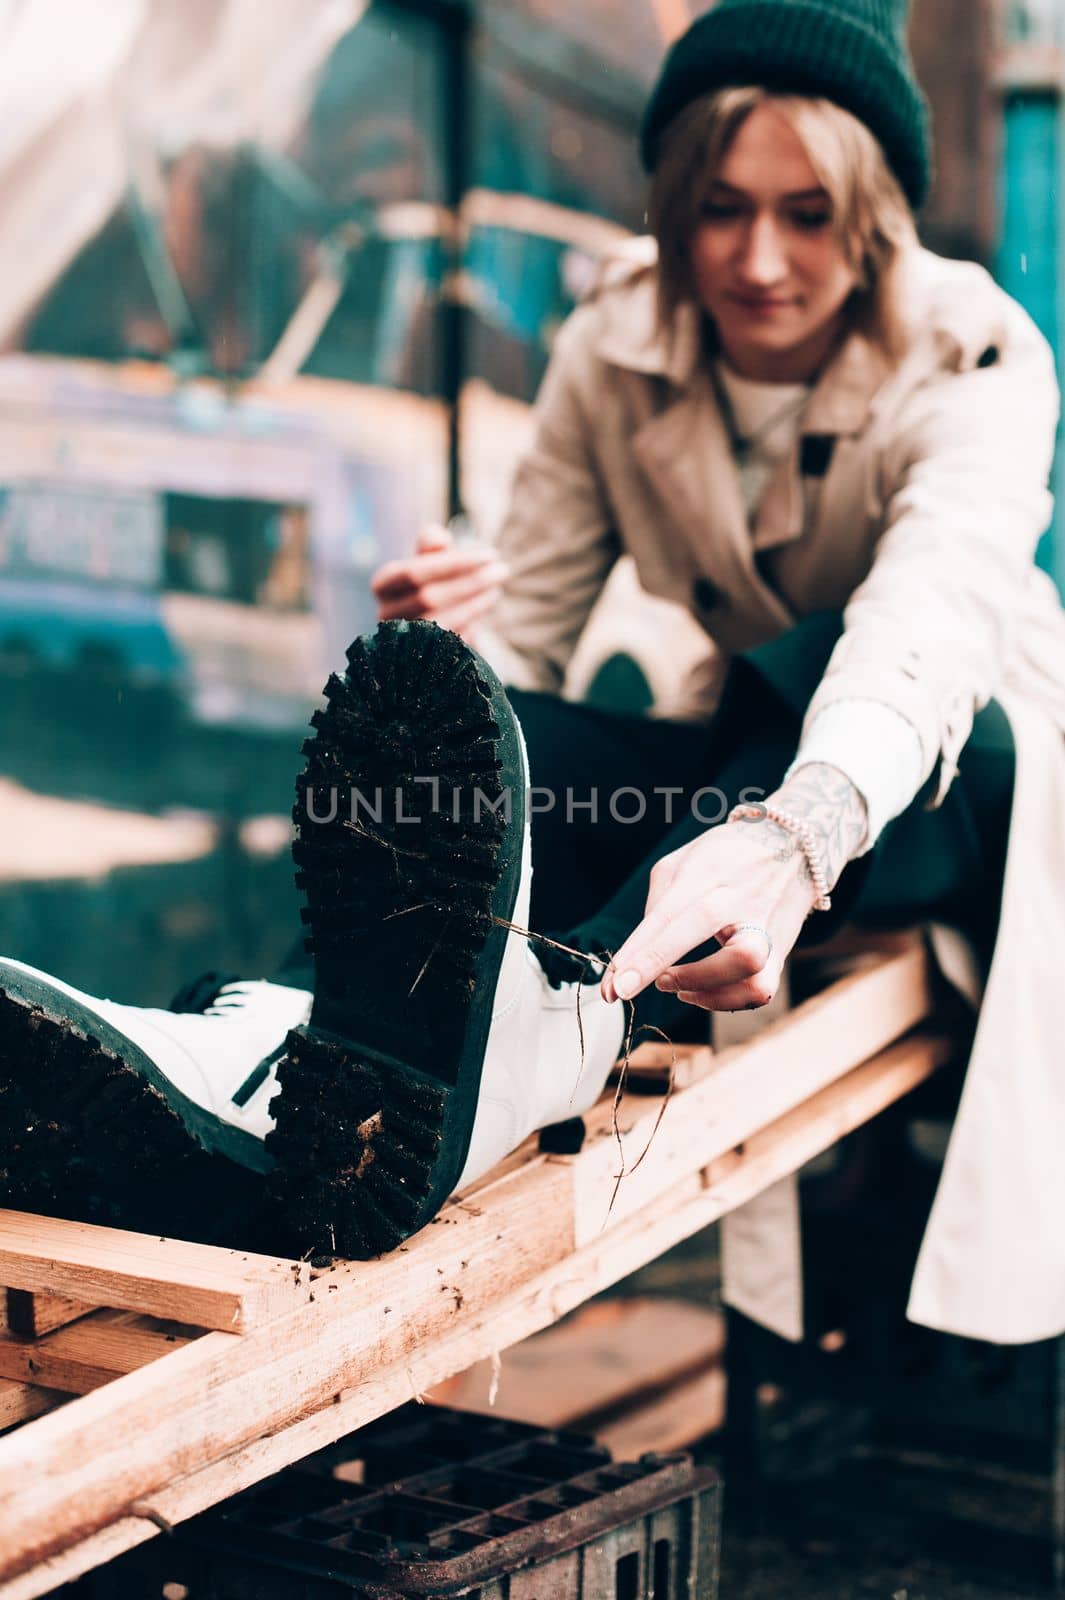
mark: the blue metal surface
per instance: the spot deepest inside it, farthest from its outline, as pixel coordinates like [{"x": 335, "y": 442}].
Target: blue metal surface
[{"x": 55, "y": 623}]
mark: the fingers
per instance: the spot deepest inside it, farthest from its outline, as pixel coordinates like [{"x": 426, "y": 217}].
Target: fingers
[
  {"x": 749, "y": 996},
  {"x": 443, "y": 596},
  {"x": 744, "y": 957},
  {"x": 410, "y": 574},
  {"x": 661, "y": 939},
  {"x": 742, "y": 976},
  {"x": 449, "y": 584}
]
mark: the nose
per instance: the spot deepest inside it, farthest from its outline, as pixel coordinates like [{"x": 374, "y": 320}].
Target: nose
[{"x": 763, "y": 261}]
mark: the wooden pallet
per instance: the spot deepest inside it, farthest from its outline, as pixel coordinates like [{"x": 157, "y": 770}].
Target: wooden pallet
[{"x": 145, "y": 1379}]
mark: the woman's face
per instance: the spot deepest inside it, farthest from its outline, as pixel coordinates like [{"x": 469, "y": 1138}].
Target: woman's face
[{"x": 766, "y": 263}]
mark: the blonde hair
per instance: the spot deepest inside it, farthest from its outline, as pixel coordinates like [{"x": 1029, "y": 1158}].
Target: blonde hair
[{"x": 871, "y": 215}]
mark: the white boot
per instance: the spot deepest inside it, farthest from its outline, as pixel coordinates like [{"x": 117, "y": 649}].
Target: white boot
[
  {"x": 216, "y": 1069},
  {"x": 223, "y": 1061},
  {"x": 436, "y": 1044}
]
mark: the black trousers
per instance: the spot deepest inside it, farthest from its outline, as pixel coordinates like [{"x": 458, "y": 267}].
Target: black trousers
[
  {"x": 628, "y": 790},
  {"x": 611, "y": 794}
]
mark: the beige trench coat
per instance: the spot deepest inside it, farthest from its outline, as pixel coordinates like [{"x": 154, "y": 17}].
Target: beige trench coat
[{"x": 918, "y": 511}]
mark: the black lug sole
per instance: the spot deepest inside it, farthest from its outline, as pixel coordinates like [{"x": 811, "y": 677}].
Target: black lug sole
[
  {"x": 410, "y": 816},
  {"x": 85, "y": 1134}
]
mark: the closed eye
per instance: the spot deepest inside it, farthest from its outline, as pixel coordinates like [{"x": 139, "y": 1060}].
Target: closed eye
[
  {"x": 727, "y": 211},
  {"x": 717, "y": 211},
  {"x": 811, "y": 219}
]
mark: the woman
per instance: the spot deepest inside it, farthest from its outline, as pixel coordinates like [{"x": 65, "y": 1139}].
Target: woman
[
  {"x": 834, "y": 448},
  {"x": 785, "y": 410}
]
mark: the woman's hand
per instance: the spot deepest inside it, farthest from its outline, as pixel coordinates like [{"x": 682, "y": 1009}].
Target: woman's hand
[
  {"x": 751, "y": 872},
  {"x": 450, "y": 584}
]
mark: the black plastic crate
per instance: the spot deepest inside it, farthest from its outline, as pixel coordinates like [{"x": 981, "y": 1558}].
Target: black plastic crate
[{"x": 430, "y": 1503}]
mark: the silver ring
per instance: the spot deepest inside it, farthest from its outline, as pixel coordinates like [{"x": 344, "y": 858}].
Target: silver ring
[{"x": 755, "y": 927}]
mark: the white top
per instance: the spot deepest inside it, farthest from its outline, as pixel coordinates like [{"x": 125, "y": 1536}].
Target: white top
[
  {"x": 774, "y": 407},
  {"x": 872, "y": 744}
]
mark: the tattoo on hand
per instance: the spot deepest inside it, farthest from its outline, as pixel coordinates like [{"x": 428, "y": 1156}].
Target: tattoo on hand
[
  {"x": 786, "y": 847},
  {"x": 824, "y": 797}
]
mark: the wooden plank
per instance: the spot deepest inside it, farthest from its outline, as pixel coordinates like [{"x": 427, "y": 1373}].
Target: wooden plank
[
  {"x": 859, "y": 943},
  {"x": 651, "y": 1066},
  {"x": 745, "y": 1087},
  {"x": 222, "y": 1391},
  {"x": 606, "y": 1356},
  {"x": 480, "y": 1278},
  {"x": 74, "y": 1562},
  {"x": 672, "y": 1420},
  {"x": 882, "y": 968},
  {"x": 31, "y": 1315},
  {"x": 91, "y": 1351},
  {"x": 21, "y": 1401},
  {"x": 844, "y": 1105},
  {"x": 164, "y": 1413},
  {"x": 231, "y": 1290}
]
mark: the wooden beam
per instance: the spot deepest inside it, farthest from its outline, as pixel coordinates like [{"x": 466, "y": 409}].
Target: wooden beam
[
  {"x": 733, "y": 1094},
  {"x": 31, "y": 1315},
  {"x": 91, "y": 1351},
  {"x": 888, "y": 974},
  {"x": 21, "y": 1401},
  {"x": 229, "y": 1411},
  {"x": 221, "y": 1391},
  {"x": 225, "y": 1289},
  {"x": 861, "y": 943}
]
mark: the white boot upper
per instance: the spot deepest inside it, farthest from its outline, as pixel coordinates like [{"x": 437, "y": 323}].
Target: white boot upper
[
  {"x": 533, "y": 1074},
  {"x": 208, "y": 1056}
]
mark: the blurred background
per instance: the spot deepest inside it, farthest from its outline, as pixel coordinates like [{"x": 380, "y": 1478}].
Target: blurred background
[{"x": 279, "y": 284}]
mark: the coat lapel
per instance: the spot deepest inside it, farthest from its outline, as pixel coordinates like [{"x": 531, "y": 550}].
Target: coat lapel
[
  {"x": 781, "y": 512},
  {"x": 686, "y": 454},
  {"x": 684, "y": 449},
  {"x": 838, "y": 408}
]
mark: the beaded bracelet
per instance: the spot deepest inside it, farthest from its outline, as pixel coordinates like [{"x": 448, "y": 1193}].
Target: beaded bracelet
[{"x": 804, "y": 832}]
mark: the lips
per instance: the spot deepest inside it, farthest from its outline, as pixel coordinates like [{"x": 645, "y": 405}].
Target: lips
[{"x": 760, "y": 303}]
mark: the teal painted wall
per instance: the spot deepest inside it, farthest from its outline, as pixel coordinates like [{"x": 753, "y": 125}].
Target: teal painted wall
[{"x": 1030, "y": 256}]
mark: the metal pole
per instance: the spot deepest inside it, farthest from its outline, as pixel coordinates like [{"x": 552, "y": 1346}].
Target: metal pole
[{"x": 454, "y": 317}]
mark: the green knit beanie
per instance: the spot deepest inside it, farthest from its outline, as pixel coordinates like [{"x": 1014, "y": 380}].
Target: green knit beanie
[{"x": 852, "y": 52}]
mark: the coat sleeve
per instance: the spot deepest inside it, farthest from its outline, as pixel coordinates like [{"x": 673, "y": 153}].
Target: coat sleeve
[
  {"x": 930, "y": 629},
  {"x": 558, "y": 537}
]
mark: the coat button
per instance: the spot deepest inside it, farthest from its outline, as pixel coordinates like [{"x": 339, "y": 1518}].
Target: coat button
[{"x": 705, "y": 594}]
